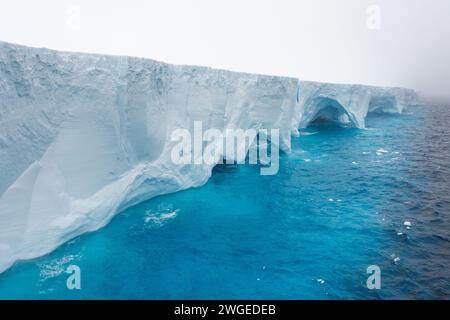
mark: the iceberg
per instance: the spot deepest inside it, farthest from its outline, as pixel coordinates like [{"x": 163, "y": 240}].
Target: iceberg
[{"x": 85, "y": 136}]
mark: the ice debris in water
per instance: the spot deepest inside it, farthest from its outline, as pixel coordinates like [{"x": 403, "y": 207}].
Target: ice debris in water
[
  {"x": 395, "y": 258},
  {"x": 126, "y": 155},
  {"x": 381, "y": 152},
  {"x": 55, "y": 267},
  {"x": 161, "y": 216}
]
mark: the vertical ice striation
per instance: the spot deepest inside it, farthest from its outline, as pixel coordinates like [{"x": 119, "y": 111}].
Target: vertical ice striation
[{"x": 82, "y": 137}]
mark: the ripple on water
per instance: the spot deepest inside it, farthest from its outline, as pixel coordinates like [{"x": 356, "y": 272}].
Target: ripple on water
[{"x": 367, "y": 197}]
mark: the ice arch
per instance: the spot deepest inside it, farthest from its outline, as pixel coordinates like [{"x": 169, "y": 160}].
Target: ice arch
[
  {"x": 325, "y": 109},
  {"x": 83, "y": 137},
  {"x": 387, "y": 103}
]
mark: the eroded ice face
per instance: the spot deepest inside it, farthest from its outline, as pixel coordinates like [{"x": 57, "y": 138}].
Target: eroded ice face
[{"x": 83, "y": 137}]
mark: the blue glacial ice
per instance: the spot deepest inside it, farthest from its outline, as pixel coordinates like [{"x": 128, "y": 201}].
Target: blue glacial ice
[{"x": 84, "y": 136}]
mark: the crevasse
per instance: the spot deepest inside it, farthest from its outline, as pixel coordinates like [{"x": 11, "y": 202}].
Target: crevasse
[{"x": 83, "y": 136}]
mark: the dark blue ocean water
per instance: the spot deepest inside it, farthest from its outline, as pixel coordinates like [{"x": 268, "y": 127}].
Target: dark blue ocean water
[{"x": 338, "y": 205}]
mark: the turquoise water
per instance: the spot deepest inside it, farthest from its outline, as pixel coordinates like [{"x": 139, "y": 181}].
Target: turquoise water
[{"x": 337, "y": 206}]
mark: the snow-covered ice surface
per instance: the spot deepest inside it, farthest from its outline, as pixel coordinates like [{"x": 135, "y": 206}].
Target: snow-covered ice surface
[{"x": 83, "y": 136}]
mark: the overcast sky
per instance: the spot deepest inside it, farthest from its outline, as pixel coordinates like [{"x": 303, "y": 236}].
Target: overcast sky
[{"x": 381, "y": 42}]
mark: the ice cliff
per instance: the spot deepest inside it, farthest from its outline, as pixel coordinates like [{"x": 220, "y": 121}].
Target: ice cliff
[{"x": 83, "y": 136}]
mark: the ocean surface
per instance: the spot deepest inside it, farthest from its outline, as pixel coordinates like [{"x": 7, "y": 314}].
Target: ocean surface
[{"x": 344, "y": 199}]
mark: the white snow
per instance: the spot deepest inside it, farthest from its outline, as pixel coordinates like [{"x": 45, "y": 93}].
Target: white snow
[{"x": 83, "y": 137}]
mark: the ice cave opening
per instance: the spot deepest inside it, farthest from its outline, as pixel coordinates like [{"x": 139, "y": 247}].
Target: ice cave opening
[
  {"x": 327, "y": 111},
  {"x": 383, "y": 104}
]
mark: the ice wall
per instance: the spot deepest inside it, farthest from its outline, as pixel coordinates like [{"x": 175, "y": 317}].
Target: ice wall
[
  {"x": 348, "y": 104},
  {"x": 82, "y": 137}
]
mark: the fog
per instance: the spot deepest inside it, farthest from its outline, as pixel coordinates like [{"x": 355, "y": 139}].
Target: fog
[{"x": 381, "y": 42}]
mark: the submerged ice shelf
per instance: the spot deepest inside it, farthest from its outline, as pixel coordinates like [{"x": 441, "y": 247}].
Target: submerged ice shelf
[{"x": 83, "y": 136}]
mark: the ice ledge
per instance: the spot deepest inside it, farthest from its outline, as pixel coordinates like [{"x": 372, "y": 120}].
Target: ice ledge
[{"x": 83, "y": 136}]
